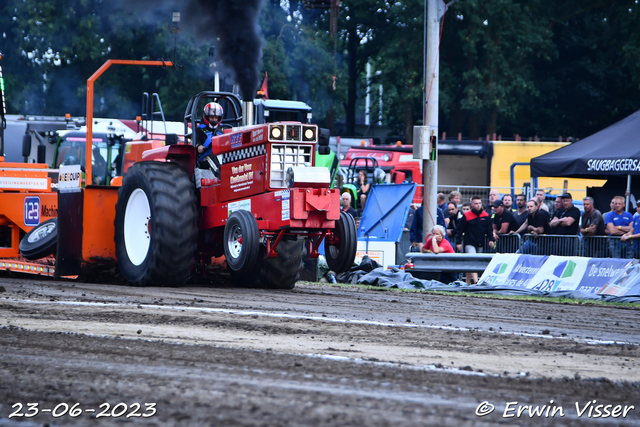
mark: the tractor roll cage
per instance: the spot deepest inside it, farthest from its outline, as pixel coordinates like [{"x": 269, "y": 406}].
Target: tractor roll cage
[
  {"x": 90, "y": 82},
  {"x": 192, "y": 115},
  {"x": 370, "y": 164}
]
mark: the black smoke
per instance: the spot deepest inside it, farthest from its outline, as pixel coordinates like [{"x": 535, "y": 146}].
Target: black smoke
[
  {"x": 235, "y": 26},
  {"x": 232, "y": 26}
]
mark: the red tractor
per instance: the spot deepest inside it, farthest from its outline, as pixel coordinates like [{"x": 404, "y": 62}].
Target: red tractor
[{"x": 257, "y": 199}]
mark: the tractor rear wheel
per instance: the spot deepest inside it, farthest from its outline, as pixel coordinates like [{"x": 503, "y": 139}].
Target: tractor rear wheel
[
  {"x": 340, "y": 250},
  {"x": 241, "y": 244},
  {"x": 155, "y": 225}
]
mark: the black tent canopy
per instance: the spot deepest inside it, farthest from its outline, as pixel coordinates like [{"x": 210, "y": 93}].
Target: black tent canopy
[{"x": 612, "y": 152}]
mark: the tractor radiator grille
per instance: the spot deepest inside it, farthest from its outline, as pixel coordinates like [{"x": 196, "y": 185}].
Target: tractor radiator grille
[{"x": 283, "y": 156}]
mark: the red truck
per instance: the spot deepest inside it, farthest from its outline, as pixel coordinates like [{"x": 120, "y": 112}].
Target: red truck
[{"x": 395, "y": 160}]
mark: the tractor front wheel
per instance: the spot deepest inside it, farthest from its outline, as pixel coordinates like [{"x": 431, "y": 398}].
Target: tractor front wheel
[
  {"x": 155, "y": 225},
  {"x": 340, "y": 248},
  {"x": 241, "y": 244},
  {"x": 282, "y": 271},
  {"x": 279, "y": 272}
]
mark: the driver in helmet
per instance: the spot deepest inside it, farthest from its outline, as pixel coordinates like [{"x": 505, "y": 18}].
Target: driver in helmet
[{"x": 210, "y": 126}]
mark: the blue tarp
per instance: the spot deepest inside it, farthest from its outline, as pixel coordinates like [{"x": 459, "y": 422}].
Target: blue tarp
[{"x": 385, "y": 212}]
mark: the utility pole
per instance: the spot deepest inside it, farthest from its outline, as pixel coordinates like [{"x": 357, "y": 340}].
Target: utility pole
[
  {"x": 175, "y": 29},
  {"x": 425, "y": 141},
  {"x": 3, "y": 112}
]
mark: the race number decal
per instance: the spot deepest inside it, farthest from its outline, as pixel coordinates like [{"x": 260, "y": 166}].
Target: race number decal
[{"x": 31, "y": 211}]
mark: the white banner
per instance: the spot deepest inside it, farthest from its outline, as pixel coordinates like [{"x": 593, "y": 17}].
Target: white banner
[
  {"x": 17, "y": 183},
  {"x": 560, "y": 274}
]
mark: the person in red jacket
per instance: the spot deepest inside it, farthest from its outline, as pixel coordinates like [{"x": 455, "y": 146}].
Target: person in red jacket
[
  {"x": 437, "y": 243},
  {"x": 474, "y": 228}
]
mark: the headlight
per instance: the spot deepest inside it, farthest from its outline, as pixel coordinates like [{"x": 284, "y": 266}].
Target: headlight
[
  {"x": 309, "y": 133},
  {"x": 277, "y": 132}
]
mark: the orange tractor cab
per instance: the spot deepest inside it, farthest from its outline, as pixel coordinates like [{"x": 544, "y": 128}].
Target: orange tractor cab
[{"x": 256, "y": 198}]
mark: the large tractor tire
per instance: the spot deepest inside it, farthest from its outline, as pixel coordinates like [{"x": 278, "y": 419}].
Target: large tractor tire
[
  {"x": 309, "y": 271},
  {"x": 40, "y": 241},
  {"x": 340, "y": 251},
  {"x": 156, "y": 225},
  {"x": 241, "y": 246},
  {"x": 281, "y": 272}
]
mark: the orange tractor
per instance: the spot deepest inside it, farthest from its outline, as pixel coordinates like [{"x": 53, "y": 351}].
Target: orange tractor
[{"x": 256, "y": 198}]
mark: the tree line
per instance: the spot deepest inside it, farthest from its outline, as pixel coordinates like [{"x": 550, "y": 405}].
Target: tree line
[{"x": 507, "y": 67}]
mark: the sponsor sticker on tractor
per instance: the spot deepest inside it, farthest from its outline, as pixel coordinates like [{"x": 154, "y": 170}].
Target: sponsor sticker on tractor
[
  {"x": 257, "y": 135},
  {"x": 23, "y": 183},
  {"x": 69, "y": 177},
  {"x": 31, "y": 211},
  {"x": 284, "y": 196},
  {"x": 239, "y": 205},
  {"x": 236, "y": 140}
]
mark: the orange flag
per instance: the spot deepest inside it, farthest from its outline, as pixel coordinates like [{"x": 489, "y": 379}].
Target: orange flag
[{"x": 263, "y": 89}]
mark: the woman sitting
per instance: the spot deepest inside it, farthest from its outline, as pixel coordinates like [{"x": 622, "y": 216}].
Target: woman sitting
[
  {"x": 363, "y": 188},
  {"x": 437, "y": 243}
]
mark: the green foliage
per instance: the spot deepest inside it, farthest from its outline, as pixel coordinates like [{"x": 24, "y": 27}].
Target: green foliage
[
  {"x": 506, "y": 66},
  {"x": 593, "y": 80},
  {"x": 489, "y": 49},
  {"x": 402, "y": 69},
  {"x": 52, "y": 47},
  {"x": 298, "y": 57}
]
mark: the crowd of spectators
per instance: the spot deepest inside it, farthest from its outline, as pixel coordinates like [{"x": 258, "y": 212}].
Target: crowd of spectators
[{"x": 476, "y": 226}]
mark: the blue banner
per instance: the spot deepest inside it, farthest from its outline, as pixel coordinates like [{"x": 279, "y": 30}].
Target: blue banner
[
  {"x": 512, "y": 270},
  {"x": 525, "y": 270},
  {"x": 601, "y": 271},
  {"x": 626, "y": 284}
]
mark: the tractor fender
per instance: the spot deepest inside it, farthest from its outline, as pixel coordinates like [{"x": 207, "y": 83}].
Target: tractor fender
[{"x": 181, "y": 154}]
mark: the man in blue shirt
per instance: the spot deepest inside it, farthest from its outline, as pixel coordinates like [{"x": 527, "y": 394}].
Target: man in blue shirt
[
  {"x": 618, "y": 223},
  {"x": 635, "y": 234}
]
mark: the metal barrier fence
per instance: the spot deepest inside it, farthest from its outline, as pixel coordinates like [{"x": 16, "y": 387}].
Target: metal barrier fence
[
  {"x": 549, "y": 244},
  {"x": 506, "y": 244},
  {"x": 608, "y": 247}
]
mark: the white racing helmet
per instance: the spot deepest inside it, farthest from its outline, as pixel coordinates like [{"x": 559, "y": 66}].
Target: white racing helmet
[{"x": 212, "y": 109}]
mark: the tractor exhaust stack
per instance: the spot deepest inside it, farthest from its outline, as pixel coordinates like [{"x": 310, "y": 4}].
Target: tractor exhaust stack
[{"x": 247, "y": 113}]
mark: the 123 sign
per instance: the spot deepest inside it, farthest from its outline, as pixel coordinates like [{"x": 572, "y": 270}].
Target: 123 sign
[{"x": 31, "y": 211}]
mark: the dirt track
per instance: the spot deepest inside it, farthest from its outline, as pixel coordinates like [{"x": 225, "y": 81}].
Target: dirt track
[{"x": 317, "y": 355}]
